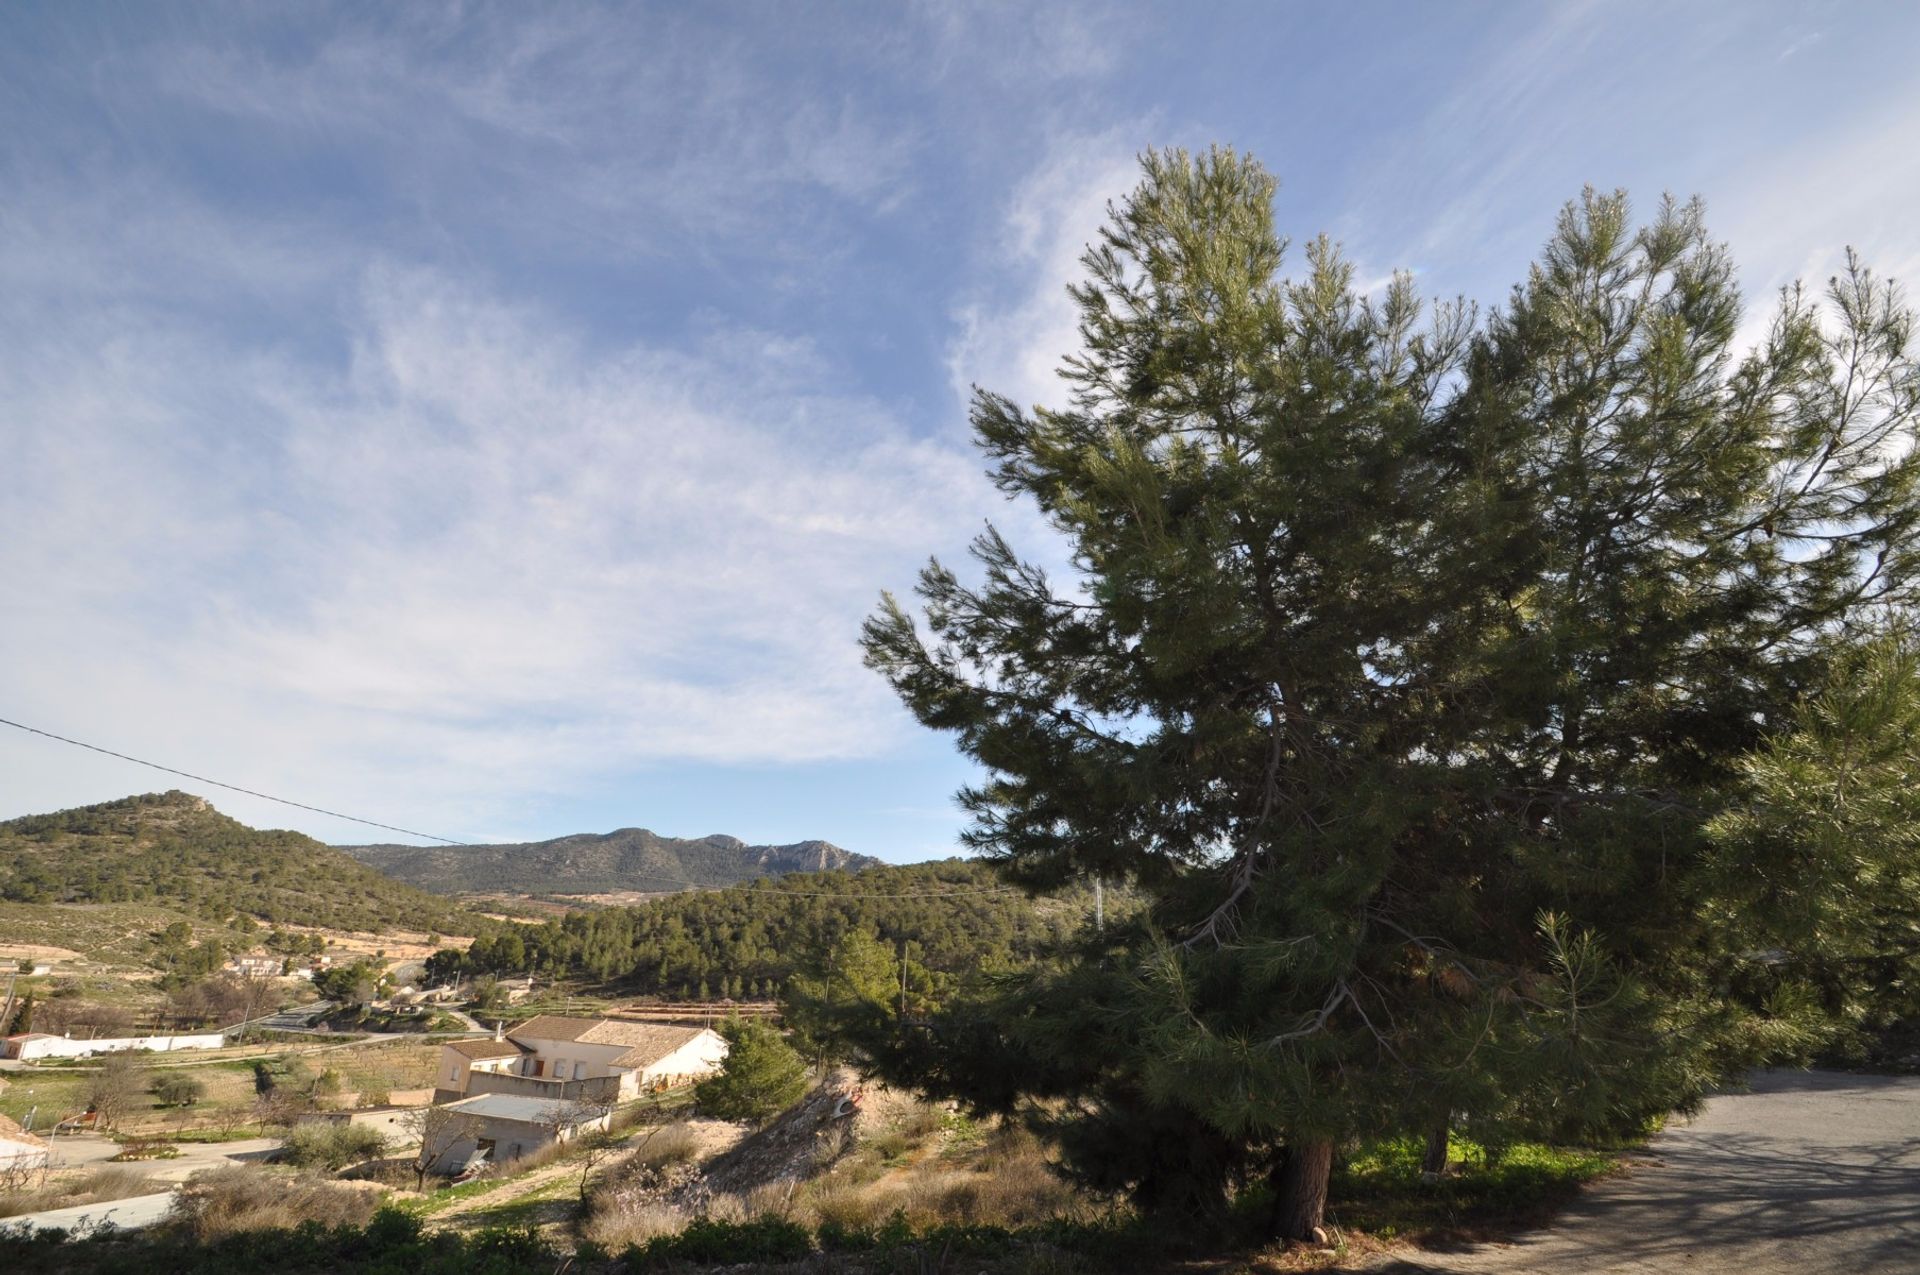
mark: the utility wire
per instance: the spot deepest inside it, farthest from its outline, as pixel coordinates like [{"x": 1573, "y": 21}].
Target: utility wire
[
  {"x": 374, "y": 823},
  {"x": 772, "y": 885},
  {"x": 185, "y": 774}
]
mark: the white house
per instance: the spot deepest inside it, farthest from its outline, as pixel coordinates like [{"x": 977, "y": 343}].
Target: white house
[
  {"x": 31, "y": 1045},
  {"x": 594, "y": 1058},
  {"x": 499, "y": 1127},
  {"x": 461, "y": 1058}
]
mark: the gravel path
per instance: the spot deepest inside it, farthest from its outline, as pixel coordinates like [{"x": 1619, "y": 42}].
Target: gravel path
[{"x": 1809, "y": 1172}]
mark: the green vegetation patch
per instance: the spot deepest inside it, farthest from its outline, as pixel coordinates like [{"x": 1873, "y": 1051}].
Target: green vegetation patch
[
  {"x": 1381, "y": 1191},
  {"x": 175, "y": 851}
]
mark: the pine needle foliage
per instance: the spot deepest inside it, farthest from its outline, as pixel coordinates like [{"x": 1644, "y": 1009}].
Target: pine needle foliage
[
  {"x": 762, "y": 1076},
  {"x": 1407, "y": 658}
]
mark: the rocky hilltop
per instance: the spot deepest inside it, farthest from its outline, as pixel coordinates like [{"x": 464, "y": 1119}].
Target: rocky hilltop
[{"x": 601, "y": 863}]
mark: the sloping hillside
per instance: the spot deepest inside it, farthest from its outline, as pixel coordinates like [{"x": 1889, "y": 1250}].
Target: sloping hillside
[
  {"x": 629, "y": 859},
  {"x": 176, "y": 850}
]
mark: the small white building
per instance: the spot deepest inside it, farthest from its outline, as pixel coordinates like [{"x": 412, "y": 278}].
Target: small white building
[
  {"x": 582, "y": 1057},
  {"x": 31, "y": 1045},
  {"x": 499, "y": 1127},
  {"x": 19, "y": 1150}
]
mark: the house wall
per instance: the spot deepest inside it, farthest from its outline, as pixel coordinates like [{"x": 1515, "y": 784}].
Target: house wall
[
  {"x": 391, "y": 1122},
  {"x": 595, "y": 1060},
  {"x": 63, "y": 1047},
  {"x": 456, "y": 1067},
  {"x": 695, "y": 1060},
  {"x": 588, "y": 1089},
  {"x": 511, "y": 1140},
  {"x": 22, "y": 1155}
]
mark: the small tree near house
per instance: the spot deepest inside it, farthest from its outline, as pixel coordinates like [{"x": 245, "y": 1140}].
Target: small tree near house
[
  {"x": 591, "y": 1146},
  {"x": 114, "y": 1089},
  {"x": 763, "y": 1075},
  {"x": 438, "y": 1130}
]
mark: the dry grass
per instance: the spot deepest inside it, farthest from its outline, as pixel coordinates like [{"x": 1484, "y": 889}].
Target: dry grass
[
  {"x": 1017, "y": 1190},
  {"x": 912, "y": 1167},
  {"x": 86, "y": 1186},
  {"x": 226, "y": 1201},
  {"x": 675, "y": 1143},
  {"x": 617, "y": 1230}
]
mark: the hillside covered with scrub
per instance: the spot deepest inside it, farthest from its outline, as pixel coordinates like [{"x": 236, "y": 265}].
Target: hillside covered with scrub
[
  {"x": 628, "y": 859},
  {"x": 950, "y": 918},
  {"x": 175, "y": 850}
]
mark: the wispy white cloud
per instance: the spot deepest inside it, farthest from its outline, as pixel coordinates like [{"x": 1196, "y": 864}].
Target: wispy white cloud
[
  {"x": 478, "y": 561},
  {"x": 1013, "y": 332},
  {"x": 445, "y": 408}
]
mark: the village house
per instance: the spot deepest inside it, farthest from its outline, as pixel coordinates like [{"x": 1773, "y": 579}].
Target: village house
[
  {"x": 393, "y": 1120},
  {"x": 498, "y": 1128},
  {"x": 587, "y": 1059},
  {"x": 254, "y": 966}
]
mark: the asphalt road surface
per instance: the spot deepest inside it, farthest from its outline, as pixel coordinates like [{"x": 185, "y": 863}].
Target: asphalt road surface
[
  {"x": 1810, "y": 1172},
  {"x": 77, "y": 1151},
  {"x": 126, "y": 1215}
]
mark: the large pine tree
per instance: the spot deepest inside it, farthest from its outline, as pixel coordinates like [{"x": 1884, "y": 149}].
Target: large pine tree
[{"x": 1409, "y": 659}]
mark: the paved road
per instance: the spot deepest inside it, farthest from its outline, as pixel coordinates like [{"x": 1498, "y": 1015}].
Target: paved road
[
  {"x": 128, "y": 1214},
  {"x": 295, "y": 1018},
  {"x": 1811, "y": 1172},
  {"x": 83, "y": 1149}
]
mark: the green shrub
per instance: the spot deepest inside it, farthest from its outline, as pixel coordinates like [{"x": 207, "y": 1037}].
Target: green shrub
[
  {"x": 761, "y": 1077},
  {"x": 146, "y": 1149},
  {"x": 332, "y": 1145},
  {"x": 175, "y": 1089},
  {"x": 767, "y": 1239}
]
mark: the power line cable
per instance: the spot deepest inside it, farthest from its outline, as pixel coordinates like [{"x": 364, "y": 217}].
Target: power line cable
[
  {"x": 186, "y": 774},
  {"x": 409, "y": 832}
]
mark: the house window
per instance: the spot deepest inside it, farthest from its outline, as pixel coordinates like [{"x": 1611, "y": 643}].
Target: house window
[
  {"x": 559, "y": 1069},
  {"x": 579, "y": 1071}
]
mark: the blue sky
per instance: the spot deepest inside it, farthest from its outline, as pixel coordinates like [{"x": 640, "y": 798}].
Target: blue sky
[{"x": 497, "y": 419}]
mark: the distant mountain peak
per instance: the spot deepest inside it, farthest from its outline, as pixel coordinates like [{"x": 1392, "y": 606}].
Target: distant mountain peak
[
  {"x": 627, "y": 859},
  {"x": 176, "y": 850}
]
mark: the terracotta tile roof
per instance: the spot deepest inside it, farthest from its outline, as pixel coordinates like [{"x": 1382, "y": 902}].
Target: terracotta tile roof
[
  {"x": 646, "y": 1043},
  {"x": 554, "y": 1027},
  {"x": 479, "y": 1049}
]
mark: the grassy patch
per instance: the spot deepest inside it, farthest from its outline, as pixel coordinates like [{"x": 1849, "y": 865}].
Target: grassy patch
[
  {"x": 1380, "y": 1190},
  {"x": 56, "y": 1096},
  {"x": 445, "y": 1198},
  {"x": 528, "y": 1209},
  {"x": 203, "y": 1135}
]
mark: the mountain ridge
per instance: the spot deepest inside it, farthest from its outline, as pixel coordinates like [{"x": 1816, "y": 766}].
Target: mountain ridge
[
  {"x": 178, "y": 850},
  {"x": 626, "y": 859}
]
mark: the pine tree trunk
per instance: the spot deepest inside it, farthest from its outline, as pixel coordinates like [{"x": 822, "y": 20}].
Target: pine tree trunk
[
  {"x": 1300, "y": 1202},
  {"x": 1435, "y": 1160}
]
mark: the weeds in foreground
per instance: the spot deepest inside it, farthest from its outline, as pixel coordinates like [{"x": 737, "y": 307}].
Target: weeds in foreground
[
  {"x": 242, "y": 1199},
  {"x": 88, "y": 1186}
]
